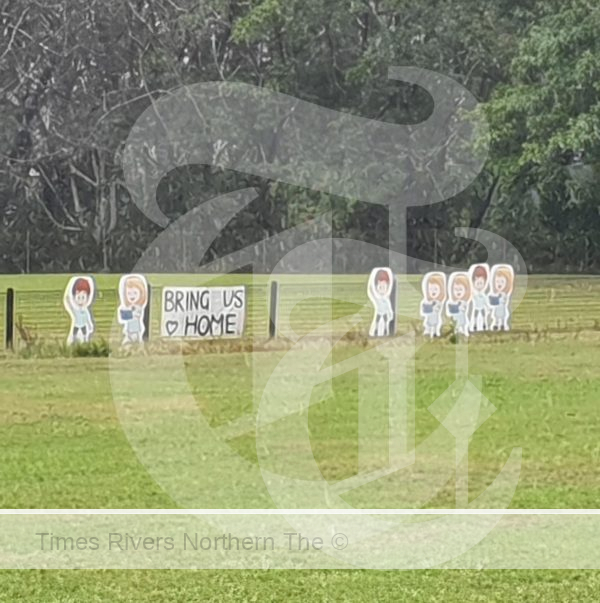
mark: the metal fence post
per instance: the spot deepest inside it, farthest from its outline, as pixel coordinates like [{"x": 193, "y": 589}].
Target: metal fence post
[
  {"x": 146, "y": 317},
  {"x": 273, "y": 307},
  {"x": 9, "y": 327},
  {"x": 394, "y": 300}
]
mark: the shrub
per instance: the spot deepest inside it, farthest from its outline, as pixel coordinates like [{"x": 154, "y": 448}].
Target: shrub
[
  {"x": 53, "y": 349},
  {"x": 95, "y": 349}
]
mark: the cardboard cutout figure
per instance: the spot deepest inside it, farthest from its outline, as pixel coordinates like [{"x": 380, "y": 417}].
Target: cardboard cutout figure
[
  {"x": 434, "y": 298},
  {"x": 502, "y": 283},
  {"x": 459, "y": 298},
  {"x": 380, "y": 289},
  {"x": 78, "y": 299},
  {"x": 133, "y": 297},
  {"x": 479, "y": 274}
]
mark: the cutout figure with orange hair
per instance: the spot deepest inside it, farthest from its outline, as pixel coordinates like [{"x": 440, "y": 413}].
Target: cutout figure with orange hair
[
  {"x": 502, "y": 281},
  {"x": 459, "y": 298},
  {"x": 434, "y": 297},
  {"x": 78, "y": 300},
  {"x": 480, "y": 280},
  {"x": 380, "y": 288},
  {"x": 133, "y": 295}
]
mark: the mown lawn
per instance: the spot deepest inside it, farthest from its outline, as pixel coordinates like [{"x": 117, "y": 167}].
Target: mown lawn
[
  {"x": 62, "y": 445},
  {"x": 157, "y": 586}
]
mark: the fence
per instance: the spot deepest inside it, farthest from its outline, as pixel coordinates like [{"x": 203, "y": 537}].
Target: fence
[{"x": 304, "y": 302}]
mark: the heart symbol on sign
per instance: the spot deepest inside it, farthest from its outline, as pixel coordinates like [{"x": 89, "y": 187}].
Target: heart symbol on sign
[{"x": 171, "y": 326}]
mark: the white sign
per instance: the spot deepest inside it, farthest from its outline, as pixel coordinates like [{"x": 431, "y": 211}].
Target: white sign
[{"x": 203, "y": 312}]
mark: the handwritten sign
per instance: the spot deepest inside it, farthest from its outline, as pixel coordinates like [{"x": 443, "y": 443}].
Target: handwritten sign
[{"x": 203, "y": 312}]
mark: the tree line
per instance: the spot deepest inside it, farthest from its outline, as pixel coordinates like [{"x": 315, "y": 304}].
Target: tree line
[{"x": 76, "y": 74}]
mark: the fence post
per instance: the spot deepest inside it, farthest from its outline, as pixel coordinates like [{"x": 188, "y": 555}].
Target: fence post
[
  {"x": 273, "y": 306},
  {"x": 146, "y": 317},
  {"x": 394, "y": 300},
  {"x": 9, "y": 326}
]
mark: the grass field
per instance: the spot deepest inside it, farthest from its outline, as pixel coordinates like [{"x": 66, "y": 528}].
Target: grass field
[
  {"x": 57, "y": 418},
  {"x": 157, "y": 586},
  {"x": 63, "y": 447}
]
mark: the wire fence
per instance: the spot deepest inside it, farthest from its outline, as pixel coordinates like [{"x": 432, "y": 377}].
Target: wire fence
[
  {"x": 41, "y": 314},
  {"x": 305, "y": 303}
]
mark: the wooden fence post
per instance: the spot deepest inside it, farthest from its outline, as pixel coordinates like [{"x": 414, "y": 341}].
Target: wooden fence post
[
  {"x": 394, "y": 300},
  {"x": 146, "y": 317},
  {"x": 273, "y": 307},
  {"x": 9, "y": 326}
]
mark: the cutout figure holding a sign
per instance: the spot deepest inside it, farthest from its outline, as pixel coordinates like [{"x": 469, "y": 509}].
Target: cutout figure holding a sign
[
  {"x": 133, "y": 295},
  {"x": 503, "y": 277},
  {"x": 459, "y": 294},
  {"x": 380, "y": 289},
  {"x": 78, "y": 299},
  {"x": 434, "y": 297},
  {"x": 479, "y": 275}
]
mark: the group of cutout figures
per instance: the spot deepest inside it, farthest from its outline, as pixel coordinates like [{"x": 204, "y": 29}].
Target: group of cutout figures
[
  {"x": 476, "y": 300},
  {"x": 79, "y": 298}
]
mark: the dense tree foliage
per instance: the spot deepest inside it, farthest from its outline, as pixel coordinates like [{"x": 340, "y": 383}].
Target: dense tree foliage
[
  {"x": 546, "y": 140},
  {"x": 75, "y": 75}
]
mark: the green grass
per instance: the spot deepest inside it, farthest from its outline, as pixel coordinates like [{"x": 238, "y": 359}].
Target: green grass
[
  {"x": 62, "y": 445},
  {"x": 58, "y": 419},
  {"x": 297, "y": 586}
]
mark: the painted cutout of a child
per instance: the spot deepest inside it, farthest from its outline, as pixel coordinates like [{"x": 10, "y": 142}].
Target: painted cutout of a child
[
  {"x": 78, "y": 300},
  {"x": 434, "y": 298},
  {"x": 133, "y": 295},
  {"x": 459, "y": 298},
  {"x": 479, "y": 275},
  {"x": 381, "y": 283},
  {"x": 502, "y": 283}
]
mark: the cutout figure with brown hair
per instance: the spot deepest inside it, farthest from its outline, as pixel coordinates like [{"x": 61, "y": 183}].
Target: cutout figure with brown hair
[
  {"x": 459, "y": 298},
  {"x": 502, "y": 282},
  {"x": 480, "y": 280},
  {"x": 434, "y": 297}
]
